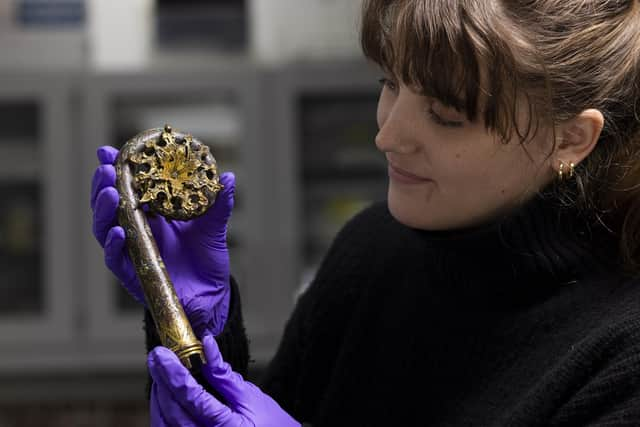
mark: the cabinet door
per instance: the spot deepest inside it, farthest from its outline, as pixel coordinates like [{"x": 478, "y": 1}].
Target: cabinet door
[
  {"x": 37, "y": 298},
  {"x": 331, "y": 168},
  {"x": 217, "y": 107}
]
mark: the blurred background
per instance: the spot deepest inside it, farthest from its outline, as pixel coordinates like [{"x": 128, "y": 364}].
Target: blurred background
[{"x": 277, "y": 88}]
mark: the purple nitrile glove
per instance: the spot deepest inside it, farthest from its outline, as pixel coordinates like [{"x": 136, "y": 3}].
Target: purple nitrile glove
[
  {"x": 178, "y": 400},
  {"x": 194, "y": 252}
]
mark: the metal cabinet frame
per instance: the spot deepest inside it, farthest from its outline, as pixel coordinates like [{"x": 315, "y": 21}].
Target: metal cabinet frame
[
  {"x": 42, "y": 341},
  {"x": 287, "y": 86}
]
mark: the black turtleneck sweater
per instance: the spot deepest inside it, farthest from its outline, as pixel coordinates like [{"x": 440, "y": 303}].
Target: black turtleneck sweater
[{"x": 522, "y": 322}]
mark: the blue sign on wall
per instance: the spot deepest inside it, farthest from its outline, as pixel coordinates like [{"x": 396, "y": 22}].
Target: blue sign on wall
[{"x": 50, "y": 13}]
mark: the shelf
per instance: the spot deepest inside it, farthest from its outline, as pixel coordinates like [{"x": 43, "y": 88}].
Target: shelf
[
  {"x": 216, "y": 123},
  {"x": 20, "y": 161}
]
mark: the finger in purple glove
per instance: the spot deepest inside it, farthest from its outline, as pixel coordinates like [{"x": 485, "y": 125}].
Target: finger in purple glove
[
  {"x": 107, "y": 154},
  {"x": 248, "y": 405},
  {"x": 243, "y": 397},
  {"x": 168, "y": 413},
  {"x": 104, "y": 176},
  {"x": 116, "y": 258},
  {"x": 214, "y": 222},
  {"x": 105, "y": 213},
  {"x": 219, "y": 373},
  {"x": 167, "y": 371}
]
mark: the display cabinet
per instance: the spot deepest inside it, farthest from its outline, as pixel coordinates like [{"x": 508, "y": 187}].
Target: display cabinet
[
  {"x": 326, "y": 116},
  {"x": 300, "y": 139},
  {"x": 37, "y": 299}
]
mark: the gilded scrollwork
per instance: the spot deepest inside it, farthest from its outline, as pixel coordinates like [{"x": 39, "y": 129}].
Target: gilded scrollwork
[{"x": 177, "y": 176}]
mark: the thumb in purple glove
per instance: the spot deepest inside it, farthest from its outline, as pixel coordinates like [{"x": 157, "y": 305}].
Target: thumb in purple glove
[{"x": 178, "y": 400}]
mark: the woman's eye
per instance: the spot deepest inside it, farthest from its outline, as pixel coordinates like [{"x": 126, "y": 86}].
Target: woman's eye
[
  {"x": 388, "y": 83},
  {"x": 441, "y": 119},
  {"x": 442, "y": 122}
]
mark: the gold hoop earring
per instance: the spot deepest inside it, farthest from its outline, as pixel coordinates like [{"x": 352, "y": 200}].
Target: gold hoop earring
[
  {"x": 562, "y": 175},
  {"x": 561, "y": 171}
]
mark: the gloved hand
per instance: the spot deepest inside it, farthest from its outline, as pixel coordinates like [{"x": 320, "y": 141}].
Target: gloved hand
[
  {"x": 194, "y": 252},
  {"x": 178, "y": 400}
]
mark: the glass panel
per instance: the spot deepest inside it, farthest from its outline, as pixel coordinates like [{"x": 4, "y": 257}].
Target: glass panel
[
  {"x": 21, "y": 288},
  {"x": 217, "y": 24},
  {"x": 338, "y": 135},
  {"x": 19, "y": 121},
  {"x": 342, "y": 171}
]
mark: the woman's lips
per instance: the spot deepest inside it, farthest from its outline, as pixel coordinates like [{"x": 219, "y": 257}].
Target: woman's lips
[{"x": 403, "y": 176}]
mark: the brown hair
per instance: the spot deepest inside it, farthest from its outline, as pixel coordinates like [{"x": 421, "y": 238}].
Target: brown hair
[{"x": 561, "y": 56}]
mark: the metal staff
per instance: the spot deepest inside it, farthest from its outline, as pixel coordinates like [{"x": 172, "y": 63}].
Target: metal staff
[{"x": 177, "y": 177}]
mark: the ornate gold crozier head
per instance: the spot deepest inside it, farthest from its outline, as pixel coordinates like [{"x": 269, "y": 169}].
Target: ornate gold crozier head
[{"x": 177, "y": 177}]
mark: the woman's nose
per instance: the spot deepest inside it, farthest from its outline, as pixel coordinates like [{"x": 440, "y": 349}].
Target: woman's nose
[
  {"x": 396, "y": 135},
  {"x": 397, "y": 123}
]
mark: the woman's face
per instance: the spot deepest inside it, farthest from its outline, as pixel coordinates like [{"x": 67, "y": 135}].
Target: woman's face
[{"x": 446, "y": 172}]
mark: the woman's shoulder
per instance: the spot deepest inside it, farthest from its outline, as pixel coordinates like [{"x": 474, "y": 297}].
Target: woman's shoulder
[
  {"x": 614, "y": 316},
  {"x": 623, "y": 304}
]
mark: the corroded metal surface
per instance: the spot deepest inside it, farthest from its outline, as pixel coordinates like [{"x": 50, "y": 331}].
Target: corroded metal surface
[{"x": 177, "y": 176}]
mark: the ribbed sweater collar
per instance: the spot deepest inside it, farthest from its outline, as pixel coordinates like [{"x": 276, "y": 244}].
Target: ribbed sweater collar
[{"x": 523, "y": 256}]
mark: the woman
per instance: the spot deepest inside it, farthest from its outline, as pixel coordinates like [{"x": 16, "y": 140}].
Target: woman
[{"x": 498, "y": 283}]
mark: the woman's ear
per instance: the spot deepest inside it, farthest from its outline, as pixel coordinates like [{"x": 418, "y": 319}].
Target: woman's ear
[{"x": 578, "y": 137}]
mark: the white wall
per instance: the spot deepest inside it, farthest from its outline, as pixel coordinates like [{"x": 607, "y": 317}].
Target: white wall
[
  {"x": 120, "y": 33},
  {"x": 283, "y": 30}
]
